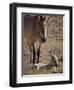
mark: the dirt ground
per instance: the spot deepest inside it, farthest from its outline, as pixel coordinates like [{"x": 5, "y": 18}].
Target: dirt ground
[{"x": 53, "y": 44}]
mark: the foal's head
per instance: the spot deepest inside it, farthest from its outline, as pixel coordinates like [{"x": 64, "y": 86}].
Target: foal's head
[{"x": 41, "y": 28}]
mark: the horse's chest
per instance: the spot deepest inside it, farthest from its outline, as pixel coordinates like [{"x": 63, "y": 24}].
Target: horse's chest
[{"x": 37, "y": 45}]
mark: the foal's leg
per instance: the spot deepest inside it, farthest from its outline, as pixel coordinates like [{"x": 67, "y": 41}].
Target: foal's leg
[
  {"x": 38, "y": 55},
  {"x": 34, "y": 55}
]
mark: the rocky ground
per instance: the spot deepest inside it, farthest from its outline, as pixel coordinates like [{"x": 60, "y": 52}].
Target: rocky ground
[{"x": 54, "y": 45}]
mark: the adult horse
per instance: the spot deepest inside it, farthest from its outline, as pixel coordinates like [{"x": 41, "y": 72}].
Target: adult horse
[{"x": 35, "y": 33}]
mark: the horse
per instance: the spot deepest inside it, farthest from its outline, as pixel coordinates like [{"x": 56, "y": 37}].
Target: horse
[{"x": 35, "y": 33}]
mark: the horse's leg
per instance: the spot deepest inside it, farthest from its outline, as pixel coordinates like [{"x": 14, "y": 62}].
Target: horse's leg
[
  {"x": 31, "y": 55},
  {"x": 34, "y": 55},
  {"x": 38, "y": 55}
]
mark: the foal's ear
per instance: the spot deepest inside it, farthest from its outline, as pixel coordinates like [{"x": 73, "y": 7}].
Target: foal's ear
[{"x": 42, "y": 18}]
